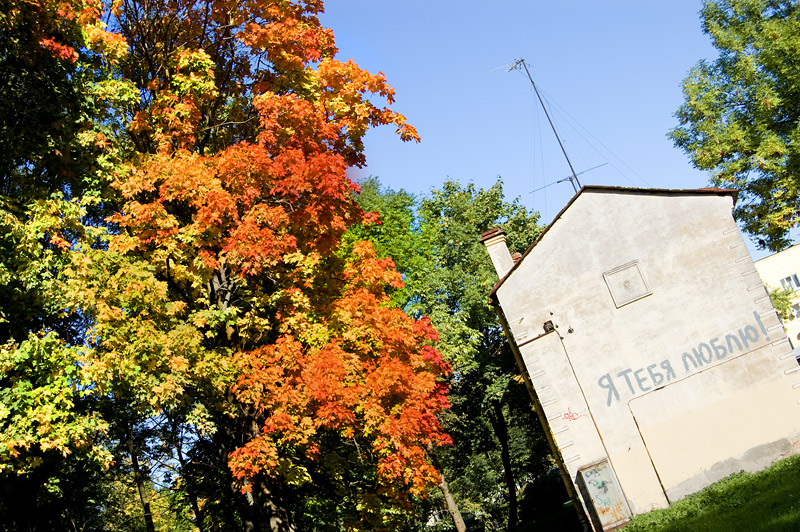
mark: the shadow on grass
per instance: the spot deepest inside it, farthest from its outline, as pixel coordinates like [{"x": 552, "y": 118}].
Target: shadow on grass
[{"x": 764, "y": 501}]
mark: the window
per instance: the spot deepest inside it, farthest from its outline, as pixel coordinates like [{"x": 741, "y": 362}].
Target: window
[{"x": 790, "y": 284}]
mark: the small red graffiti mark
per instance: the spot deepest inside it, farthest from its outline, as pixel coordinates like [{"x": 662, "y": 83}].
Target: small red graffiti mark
[{"x": 569, "y": 415}]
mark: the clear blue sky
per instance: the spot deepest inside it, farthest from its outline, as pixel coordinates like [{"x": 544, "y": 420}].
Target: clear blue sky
[{"x": 610, "y": 72}]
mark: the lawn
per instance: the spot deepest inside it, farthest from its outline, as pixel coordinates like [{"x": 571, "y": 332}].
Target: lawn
[{"x": 765, "y": 501}]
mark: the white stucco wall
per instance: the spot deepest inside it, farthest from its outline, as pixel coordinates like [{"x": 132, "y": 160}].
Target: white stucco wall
[{"x": 659, "y": 369}]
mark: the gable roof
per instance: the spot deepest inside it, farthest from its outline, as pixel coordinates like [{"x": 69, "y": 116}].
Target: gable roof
[{"x": 616, "y": 190}]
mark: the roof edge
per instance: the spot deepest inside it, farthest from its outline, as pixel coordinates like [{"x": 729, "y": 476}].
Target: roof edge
[{"x": 612, "y": 189}]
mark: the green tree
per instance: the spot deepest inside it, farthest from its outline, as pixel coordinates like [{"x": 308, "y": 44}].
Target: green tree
[
  {"x": 53, "y": 449},
  {"x": 782, "y": 301},
  {"x": 434, "y": 240},
  {"x": 741, "y": 120}
]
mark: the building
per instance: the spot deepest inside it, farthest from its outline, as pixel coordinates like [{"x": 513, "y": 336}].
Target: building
[
  {"x": 780, "y": 272},
  {"x": 650, "y": 346}
]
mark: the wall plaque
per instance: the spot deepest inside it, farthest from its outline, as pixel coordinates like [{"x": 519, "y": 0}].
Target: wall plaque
[{"x": 627, "y": 283}]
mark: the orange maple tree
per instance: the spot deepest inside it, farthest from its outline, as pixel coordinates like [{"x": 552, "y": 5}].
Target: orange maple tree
[{"x": 223, "y": 296}]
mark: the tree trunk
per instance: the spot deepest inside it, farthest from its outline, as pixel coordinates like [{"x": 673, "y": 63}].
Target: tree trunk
[
  {"x": 242, "y": 503},
  {"x": 265, "y": 511},
  {"x": 277, "y": 515},
  {"x": 262, "y": 508},
  {"x": 198, "y": 515},
  {"x": 139, "y": 478},
  {"x": 452, "y": 507},
  {"x": 498, "y": 422}
]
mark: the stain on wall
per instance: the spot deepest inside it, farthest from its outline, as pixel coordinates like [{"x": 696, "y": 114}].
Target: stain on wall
[{"x": 631, "y": 382}]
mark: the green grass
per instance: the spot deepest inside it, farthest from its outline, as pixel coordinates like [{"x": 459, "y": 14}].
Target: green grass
[{"x": 765, "y": 501}]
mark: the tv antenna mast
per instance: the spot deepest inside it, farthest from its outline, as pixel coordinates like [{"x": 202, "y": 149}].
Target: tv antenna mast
[
  {"x": 569, "y": 177},
  {"x": 574, "y": 177}
]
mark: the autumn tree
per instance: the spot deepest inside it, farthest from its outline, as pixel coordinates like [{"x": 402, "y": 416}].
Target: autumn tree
[
  {"x": 52, "y": 440},
  {"x": 740, "y": 117},
  {"x": 434, "y": 240},
  {"x": 227, "y": 342}
]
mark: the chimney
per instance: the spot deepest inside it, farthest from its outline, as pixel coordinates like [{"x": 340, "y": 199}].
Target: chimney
[{"x": 495, "y": 242}]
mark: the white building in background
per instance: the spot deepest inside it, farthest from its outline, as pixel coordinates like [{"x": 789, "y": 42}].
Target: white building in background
[
  {"x": 781, "y": 271},
  {"x": 655, "y": 359}
]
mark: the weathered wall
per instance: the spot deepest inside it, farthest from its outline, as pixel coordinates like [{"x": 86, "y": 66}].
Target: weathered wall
[
  {"x": 715, "y": 422},
  {"x": 694, "y": 368}
]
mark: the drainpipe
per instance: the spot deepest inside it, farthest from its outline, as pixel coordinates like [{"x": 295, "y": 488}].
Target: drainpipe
[
  {"x": 495, "y": 242},
  {"x": 537, "y": 407}
]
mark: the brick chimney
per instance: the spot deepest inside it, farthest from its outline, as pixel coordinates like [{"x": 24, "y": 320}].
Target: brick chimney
[{"x": 495, "y": 242}]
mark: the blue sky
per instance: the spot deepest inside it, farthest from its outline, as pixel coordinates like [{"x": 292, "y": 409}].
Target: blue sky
[{"x": 610, "y": 72}]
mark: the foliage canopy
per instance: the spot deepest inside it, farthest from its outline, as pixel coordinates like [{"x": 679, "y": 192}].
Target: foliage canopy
[
  {"x": 448, "y": 274},
  {"x": 183, "y": 308},
  {"x": 741, "y": 120}
]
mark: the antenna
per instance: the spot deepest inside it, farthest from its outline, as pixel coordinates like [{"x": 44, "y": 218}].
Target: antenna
[
  {"x": 568, "y": 178},
  {"x": 574, "y": 177}
]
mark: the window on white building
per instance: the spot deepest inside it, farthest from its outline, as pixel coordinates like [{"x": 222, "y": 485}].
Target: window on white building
[{"x": 790, "y": 284}]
